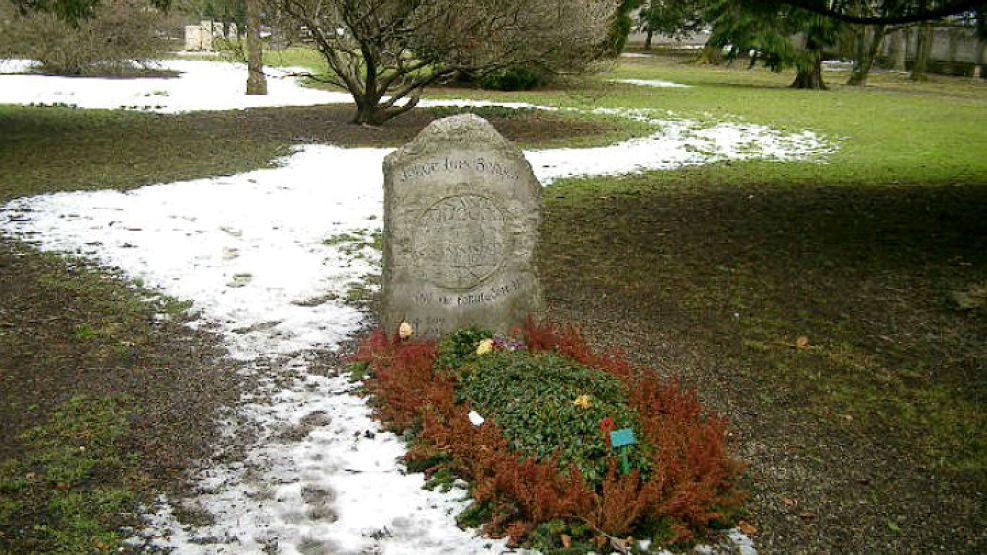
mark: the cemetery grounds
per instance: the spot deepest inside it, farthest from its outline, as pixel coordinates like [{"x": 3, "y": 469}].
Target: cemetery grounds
[{"x": 835, "y": 308}]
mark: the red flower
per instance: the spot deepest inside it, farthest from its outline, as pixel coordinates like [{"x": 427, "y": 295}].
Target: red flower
[{"x": 606, "y": 426}]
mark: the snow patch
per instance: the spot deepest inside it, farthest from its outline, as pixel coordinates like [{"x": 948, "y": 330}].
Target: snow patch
[
  {"x": 247, "y": 249},
  {"x": 675, "y": 144},
  {"x": 16, "y": 66},
  {"x": 657, "y": 83},
  {"x": 201, "y": 85}
]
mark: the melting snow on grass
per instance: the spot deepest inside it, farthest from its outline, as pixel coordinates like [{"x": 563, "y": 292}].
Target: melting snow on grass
[
  {"x": 269, "y": 258},
  {"x": 657, "y": 83},
  {"x": 201, "y": 85},
  {"x": 198, "y": 85},
  {"x": 675, "y": 144}
]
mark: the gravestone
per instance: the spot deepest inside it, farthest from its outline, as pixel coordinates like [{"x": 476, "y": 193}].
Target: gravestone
[
  {"x": 461, "y": 214},
  {"x": 197, "y": 38}
]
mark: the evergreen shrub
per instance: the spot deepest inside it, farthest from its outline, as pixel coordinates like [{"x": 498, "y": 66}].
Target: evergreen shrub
[{"x": 540, "y": 466}]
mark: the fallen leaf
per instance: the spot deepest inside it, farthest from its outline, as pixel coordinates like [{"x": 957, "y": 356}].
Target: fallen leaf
[
  {"x": 847, "y": 417},
  {"x": 583, "y": 401},
  {"x": 788, "y": 501},
  {"x": 747, "y": 528},
  {"x": 620, "y": 545},
  {"x": 566, "y": 541},
  {"x": 802, "y": 342},
  {"x": 807, "y": 515}
]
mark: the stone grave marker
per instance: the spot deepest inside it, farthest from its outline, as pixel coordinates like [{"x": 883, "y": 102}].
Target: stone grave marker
[{"x": 461, "y": 214}]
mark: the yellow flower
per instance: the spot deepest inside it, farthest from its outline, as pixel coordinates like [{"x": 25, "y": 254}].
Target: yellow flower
[
  {"x": 484, "y": 347},
  {"x": 582, "y": 401},
  {"x": 405, "y": 330}
]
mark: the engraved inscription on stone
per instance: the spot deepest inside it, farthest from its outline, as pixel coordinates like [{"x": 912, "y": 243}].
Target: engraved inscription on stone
[
  {"x": 461, "y": 215},
  {"x": 460, "y": 241}
]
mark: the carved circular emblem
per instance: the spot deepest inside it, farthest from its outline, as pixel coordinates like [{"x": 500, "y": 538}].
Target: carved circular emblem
[{"x": 460, "y": 241}]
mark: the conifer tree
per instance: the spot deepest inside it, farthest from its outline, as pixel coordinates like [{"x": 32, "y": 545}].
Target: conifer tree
[
  {"x": 776, "y": 35},
  {"x": 672, "y": 18}
]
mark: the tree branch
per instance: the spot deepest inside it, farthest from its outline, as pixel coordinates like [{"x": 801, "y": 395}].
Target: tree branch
[{"x": 953, "y": 7}]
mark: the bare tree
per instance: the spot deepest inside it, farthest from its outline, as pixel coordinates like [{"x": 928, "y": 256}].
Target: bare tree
[
  {"x": 867, "y": 41},
  {"x": 114, "y": 36},
  {"x": 385, "y": 52}
]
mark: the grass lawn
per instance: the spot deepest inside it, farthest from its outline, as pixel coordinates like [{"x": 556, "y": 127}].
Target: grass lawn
[
  {"x": 105, "y": 403},
  {"x": 893, "y": 131},
  {"x": 870, "y": 433},
  {"x": 54, "y": 149},
  {"x": 837, "y": 312}
]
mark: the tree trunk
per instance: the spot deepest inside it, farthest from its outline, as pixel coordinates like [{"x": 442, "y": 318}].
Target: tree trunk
[
  {"x": 858, "y": 75},
  {"x": 710, "y": 54},
  {"x": 980, "y": 68},
  {"x": 647, "y": 39},
  {"x": 810, "y": 77},
  {"x": 364, "y": 116},
  {"x": 369, "y": 111},
  {"x": 256, "y": 81},
  {"x": 372, "y": 111},
  {"x": 922, "y": 50},
  {"x": 866, "y": 53}
]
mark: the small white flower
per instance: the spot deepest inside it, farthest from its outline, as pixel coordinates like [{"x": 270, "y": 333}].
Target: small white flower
[
  {"x": 405, "y": 330},
  {"x": 475, "y": 418}
]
